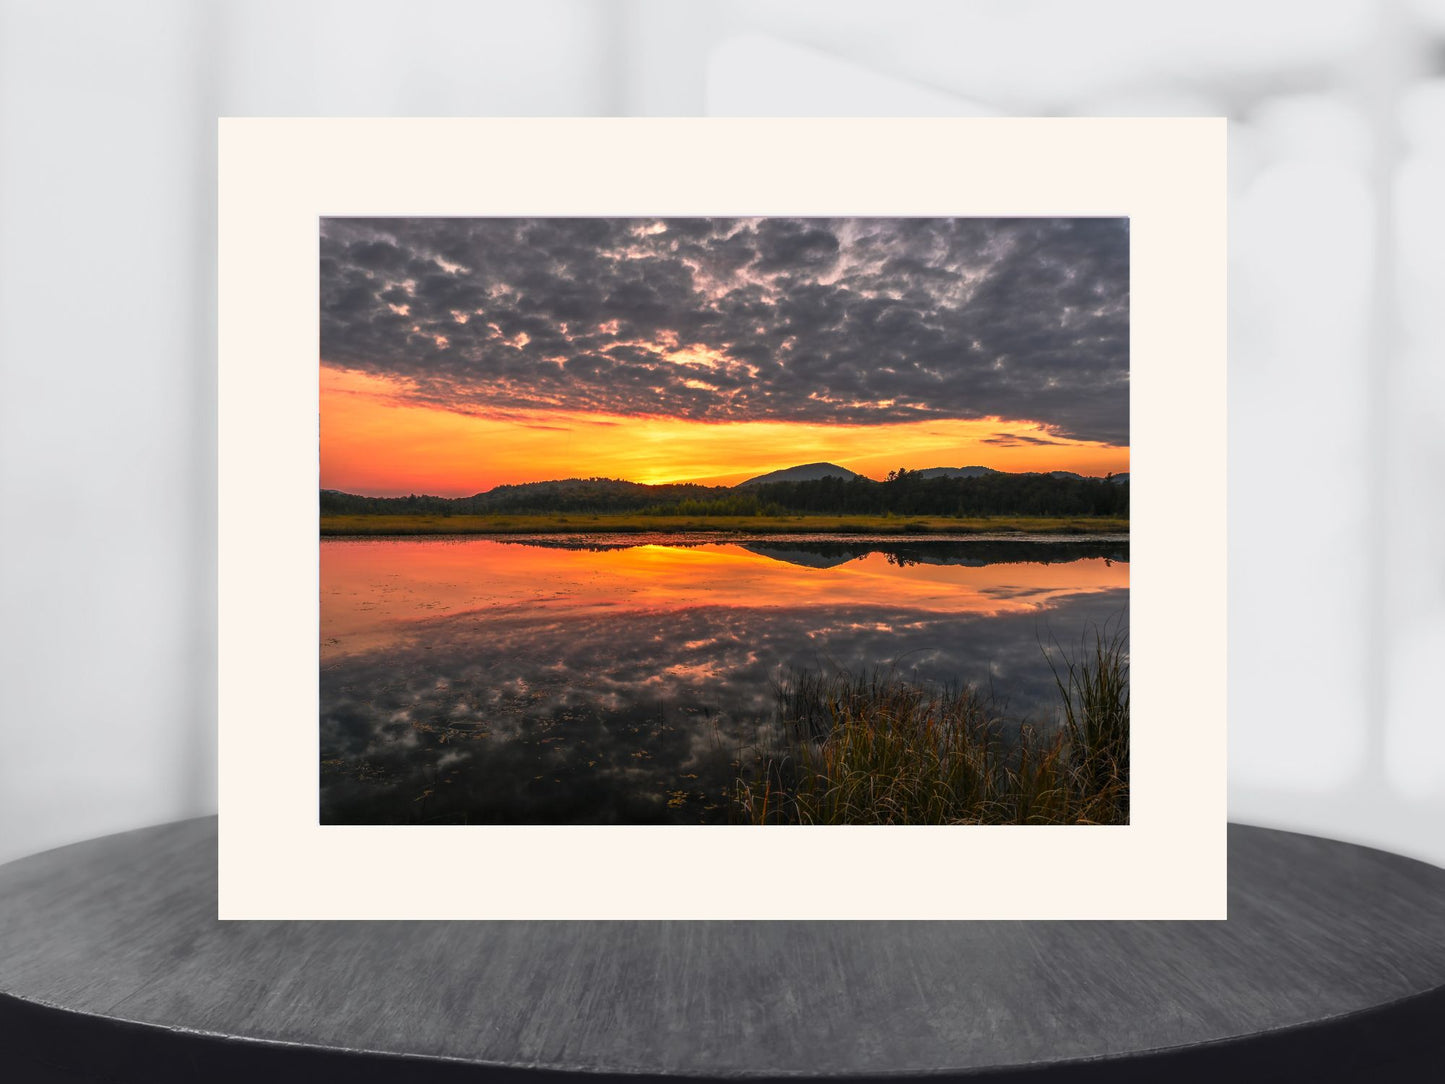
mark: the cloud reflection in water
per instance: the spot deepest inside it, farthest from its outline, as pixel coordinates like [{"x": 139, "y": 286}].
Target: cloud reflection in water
[{"x": 547, "y": 692}]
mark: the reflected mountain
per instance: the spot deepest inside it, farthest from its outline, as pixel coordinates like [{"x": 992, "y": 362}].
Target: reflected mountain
[
  {"x": 970, "y": 554},
  {"x": 826, "y": 553},
  {"x": 815, "y": 556}
]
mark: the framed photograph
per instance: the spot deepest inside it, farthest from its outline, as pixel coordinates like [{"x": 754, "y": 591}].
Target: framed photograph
[{"x": 663, "y": 518}]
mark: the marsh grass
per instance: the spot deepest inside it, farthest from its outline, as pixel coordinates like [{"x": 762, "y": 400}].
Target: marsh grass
[
  {"x": 1094, "y": 689},
  {"x": 884, "y": 748}
]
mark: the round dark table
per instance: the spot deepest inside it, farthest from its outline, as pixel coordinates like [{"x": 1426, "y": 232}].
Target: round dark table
[{"x": 113, "y": 968}]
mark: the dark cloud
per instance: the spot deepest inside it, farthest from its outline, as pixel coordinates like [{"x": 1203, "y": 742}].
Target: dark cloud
[
  {"x": 1016, "y": 440},
  {"x": 843, "y": 320}
]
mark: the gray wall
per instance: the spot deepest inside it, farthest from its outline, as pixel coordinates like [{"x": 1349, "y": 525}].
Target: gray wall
[{"x": 107, "y": 390}]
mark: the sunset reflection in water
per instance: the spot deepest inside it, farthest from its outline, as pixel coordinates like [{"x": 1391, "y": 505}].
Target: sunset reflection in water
[{"x": 491, "y": 681}]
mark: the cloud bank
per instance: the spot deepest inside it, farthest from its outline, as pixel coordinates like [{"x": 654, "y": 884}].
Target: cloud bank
[{"x": 851, "y": 321}]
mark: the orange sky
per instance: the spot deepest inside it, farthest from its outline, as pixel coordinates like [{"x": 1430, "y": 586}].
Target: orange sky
[{"x": 374, "y": 441}]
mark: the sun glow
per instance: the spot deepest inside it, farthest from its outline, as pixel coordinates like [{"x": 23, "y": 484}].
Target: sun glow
[{"x": 376, "y": 440}]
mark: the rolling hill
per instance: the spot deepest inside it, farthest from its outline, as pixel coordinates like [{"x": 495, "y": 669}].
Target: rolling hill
[{"x": 808, "y": 472}]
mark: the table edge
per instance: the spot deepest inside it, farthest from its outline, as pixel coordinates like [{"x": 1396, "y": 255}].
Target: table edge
[{"x": 1391, "y": 1035}]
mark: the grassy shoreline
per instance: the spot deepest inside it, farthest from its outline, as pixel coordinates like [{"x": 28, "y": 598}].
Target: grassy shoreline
[
  {"x": 584, "y": 523},
  {"x": 883, "y": 749}
]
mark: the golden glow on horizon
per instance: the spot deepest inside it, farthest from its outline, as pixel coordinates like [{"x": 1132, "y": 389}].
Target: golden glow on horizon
[
  {"x": 427, "y": 579},
  {"x": 374, "y": 441}
]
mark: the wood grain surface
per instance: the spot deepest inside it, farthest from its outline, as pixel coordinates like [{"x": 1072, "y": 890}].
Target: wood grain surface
[{"x": 113, "y": 967}]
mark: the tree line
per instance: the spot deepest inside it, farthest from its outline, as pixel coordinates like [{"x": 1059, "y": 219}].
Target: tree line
[
  {"x": 909, "y": 493},
  {"x": 904, "y": 492}
]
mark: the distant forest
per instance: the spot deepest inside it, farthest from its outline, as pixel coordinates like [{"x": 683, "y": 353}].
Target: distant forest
[{"x": 903, "y": 493}]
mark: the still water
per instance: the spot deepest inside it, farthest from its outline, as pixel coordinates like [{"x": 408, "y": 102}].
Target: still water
[{"x": 619, "y": 681}]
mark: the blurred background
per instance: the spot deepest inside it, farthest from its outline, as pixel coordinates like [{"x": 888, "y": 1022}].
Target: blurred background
[{"x": 1337, "y": 331}]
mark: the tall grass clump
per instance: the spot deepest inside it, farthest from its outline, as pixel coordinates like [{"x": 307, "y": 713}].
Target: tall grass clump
[
  {"x": 1094, "y": 688},
  {"x": 882, "y": 748}
]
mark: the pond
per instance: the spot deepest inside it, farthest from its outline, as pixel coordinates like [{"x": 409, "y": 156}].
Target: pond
[{"x": 624, "y": 680}]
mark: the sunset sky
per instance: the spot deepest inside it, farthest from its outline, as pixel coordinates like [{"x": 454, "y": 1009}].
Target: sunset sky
[{"x": 461, "y": 354}]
